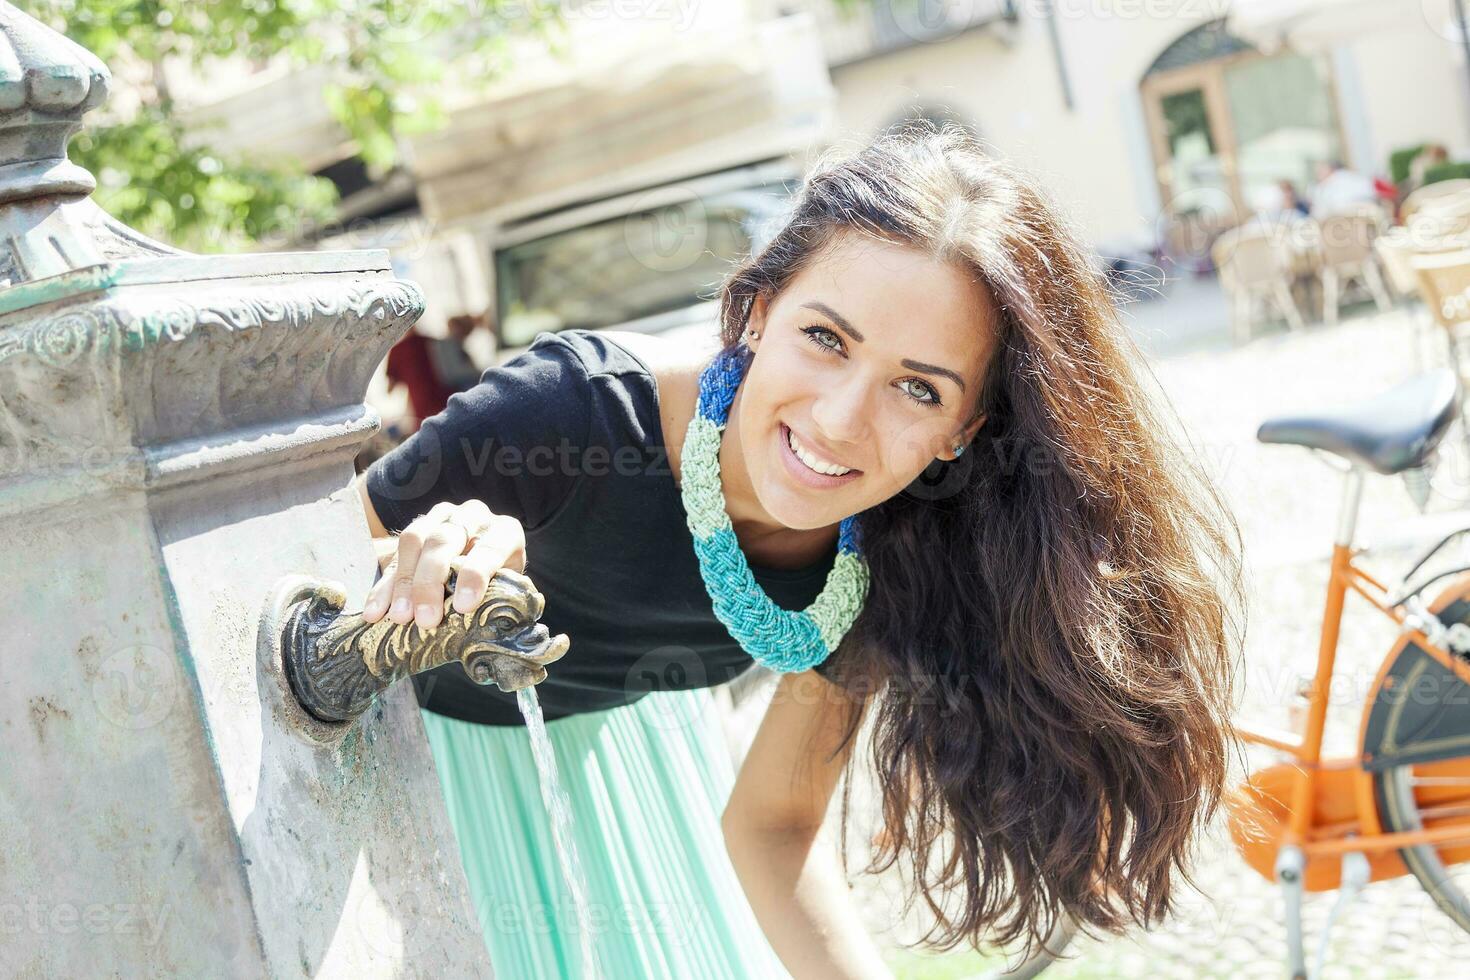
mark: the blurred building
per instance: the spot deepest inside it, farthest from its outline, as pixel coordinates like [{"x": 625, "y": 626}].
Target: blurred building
[
  {"x": 1139, "y": 115},
  {"x": 1142, "y": 112}
]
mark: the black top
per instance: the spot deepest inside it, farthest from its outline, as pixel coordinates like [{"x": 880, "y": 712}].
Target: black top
[{"x": 567, "y": 438}]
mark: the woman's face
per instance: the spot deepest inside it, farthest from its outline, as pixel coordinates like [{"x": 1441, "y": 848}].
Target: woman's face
[{"x": 872, "y": 358}]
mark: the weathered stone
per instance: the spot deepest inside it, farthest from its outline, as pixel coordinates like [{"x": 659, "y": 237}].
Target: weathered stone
[{"x": 176, "y": 440}]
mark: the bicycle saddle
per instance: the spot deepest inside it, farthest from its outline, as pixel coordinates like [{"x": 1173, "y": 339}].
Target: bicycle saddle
[{"x": 1388, "y": 433}]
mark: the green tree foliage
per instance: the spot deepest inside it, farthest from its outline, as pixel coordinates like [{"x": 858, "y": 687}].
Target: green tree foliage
[{"x": 385, "y": 57}]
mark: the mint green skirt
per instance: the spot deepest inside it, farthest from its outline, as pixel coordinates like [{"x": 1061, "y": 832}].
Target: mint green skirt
[{"x": 647, "y": 784}]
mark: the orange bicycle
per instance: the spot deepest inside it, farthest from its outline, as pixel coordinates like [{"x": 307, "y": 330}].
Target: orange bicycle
[{"x": 1402, "y": 804}]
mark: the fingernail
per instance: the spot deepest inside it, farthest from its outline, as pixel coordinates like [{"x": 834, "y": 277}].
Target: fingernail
[
  {"x": 424, "y": 615},
  {"x": 464, "y": 600},
  {"x": 400, "y": 606},
  {"x": 374, "y": 606}
]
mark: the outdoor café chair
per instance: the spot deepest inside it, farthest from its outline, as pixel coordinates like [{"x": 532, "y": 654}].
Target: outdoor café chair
[
  {"x": 1345, "y": 246},
  {"x": 1254, "y": 270},
  {"x": 1433, "y": 195}
]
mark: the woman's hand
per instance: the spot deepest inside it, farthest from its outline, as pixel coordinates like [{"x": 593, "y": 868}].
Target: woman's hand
[{"x": 466, "y": 536}]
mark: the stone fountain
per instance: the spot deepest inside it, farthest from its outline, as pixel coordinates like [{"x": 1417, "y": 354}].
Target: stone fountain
[{"x": 176, "y": 442}]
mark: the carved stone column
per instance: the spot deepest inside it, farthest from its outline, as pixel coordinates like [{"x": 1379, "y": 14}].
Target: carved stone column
[{"x": 176, "y": 435}]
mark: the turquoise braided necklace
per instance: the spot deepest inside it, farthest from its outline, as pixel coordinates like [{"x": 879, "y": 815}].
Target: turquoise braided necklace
[{"x": 782, "y": 640}]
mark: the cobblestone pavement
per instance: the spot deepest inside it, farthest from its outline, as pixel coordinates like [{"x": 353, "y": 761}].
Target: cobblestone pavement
[{"x": 1285, "y": 499}]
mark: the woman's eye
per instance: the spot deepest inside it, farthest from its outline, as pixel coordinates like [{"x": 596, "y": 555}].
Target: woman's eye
[
  {"x": 814, "y": 333},
  {"x": 924, "y": 389},
  {"x": 926, "y": 393}
]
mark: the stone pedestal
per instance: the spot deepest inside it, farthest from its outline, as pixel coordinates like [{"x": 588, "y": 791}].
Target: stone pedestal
[{"x": 176, "y": 438}]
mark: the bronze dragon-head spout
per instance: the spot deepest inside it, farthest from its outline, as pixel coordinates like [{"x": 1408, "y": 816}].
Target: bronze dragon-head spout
[{"x": 337, "y": 662}]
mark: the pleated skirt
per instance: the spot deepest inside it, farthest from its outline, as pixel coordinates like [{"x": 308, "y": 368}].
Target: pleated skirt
[{"x": 646, "y": 785}]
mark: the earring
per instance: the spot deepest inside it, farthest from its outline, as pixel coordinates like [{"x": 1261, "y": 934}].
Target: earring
[
  {"x": 753, "y": 334},
  {"x": 958, "y": 449}
]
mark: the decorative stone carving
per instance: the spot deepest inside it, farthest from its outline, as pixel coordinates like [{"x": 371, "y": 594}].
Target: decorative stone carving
[
  {"x": 46, "y": 84},
  {"x": 177, "y": 434}
]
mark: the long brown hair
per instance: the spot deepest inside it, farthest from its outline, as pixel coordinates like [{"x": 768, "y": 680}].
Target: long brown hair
[{"x": 1054, "y": 616}]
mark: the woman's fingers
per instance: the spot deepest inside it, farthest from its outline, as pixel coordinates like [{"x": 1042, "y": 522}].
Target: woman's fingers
[
  {"x": 411, "y": 544},
  {"x": 381, "y": 593},
  {"x": 443, "y": 542},
  {"x": 467, "y": 537},
  {"x": 443, "y": 547},
  {"x": 500, "y": 544}
]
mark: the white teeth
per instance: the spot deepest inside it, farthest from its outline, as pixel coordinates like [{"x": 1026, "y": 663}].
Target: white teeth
[{"x": 811, "y": 461}]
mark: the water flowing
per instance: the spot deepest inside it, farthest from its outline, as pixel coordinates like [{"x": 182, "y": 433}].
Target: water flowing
[{"x": 557, "y": 804}]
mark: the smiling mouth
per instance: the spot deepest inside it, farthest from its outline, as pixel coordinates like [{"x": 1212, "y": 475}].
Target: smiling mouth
[{"x": 813, "y": 462}]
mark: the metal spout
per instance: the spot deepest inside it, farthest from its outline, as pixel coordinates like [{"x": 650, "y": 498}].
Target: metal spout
[{"x": 337, "y": 662}]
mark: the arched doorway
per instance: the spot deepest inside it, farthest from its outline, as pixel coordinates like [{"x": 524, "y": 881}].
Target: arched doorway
[{"x": 1227, "y": 123}]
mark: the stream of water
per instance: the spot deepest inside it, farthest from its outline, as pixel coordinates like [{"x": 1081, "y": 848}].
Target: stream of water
[{"x": 560, "y": 809}]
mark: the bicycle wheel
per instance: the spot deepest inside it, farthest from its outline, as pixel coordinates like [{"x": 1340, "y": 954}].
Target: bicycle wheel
[
  {"x": 1416, "y": 740},
  {"x": 1441, "y": 868}
]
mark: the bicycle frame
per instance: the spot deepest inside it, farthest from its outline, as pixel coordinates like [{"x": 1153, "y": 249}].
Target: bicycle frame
[{"x": 1362, "y": 832}]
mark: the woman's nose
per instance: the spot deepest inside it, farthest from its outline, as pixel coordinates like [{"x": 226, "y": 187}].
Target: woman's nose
[{"x": 839, "y": 414}]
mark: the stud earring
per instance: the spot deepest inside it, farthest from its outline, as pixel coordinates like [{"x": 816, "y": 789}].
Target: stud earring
[{"x": 959, "y": 450}]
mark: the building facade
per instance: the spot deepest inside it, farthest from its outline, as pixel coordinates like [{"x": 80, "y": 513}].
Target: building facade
[{"x": 1140, "y": 116}]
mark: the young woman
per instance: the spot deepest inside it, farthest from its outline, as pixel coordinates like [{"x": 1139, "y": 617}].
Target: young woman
[{"x": 919, "y": 477}]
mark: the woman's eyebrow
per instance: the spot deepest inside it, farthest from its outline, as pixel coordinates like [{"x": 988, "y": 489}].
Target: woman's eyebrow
[
  {"x": 835, "y": 317},
  {"x": 934, "y": 369},
  {"x": 853, "y": 332}
]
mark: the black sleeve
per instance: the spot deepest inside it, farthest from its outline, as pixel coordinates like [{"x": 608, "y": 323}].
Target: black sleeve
[{"x": 513, "y": 440}]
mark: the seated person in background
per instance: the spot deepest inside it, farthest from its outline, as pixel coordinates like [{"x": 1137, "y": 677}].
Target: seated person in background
[
  {"x": 1340, "y": 189},
  {"x": 1432, "y": 155},
  {"x": 1291, "y": 200},
  {"x": 410, "y": 363},
  {"x": 1274, "y": 203},
  {"x": 452, "y": 364}
]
